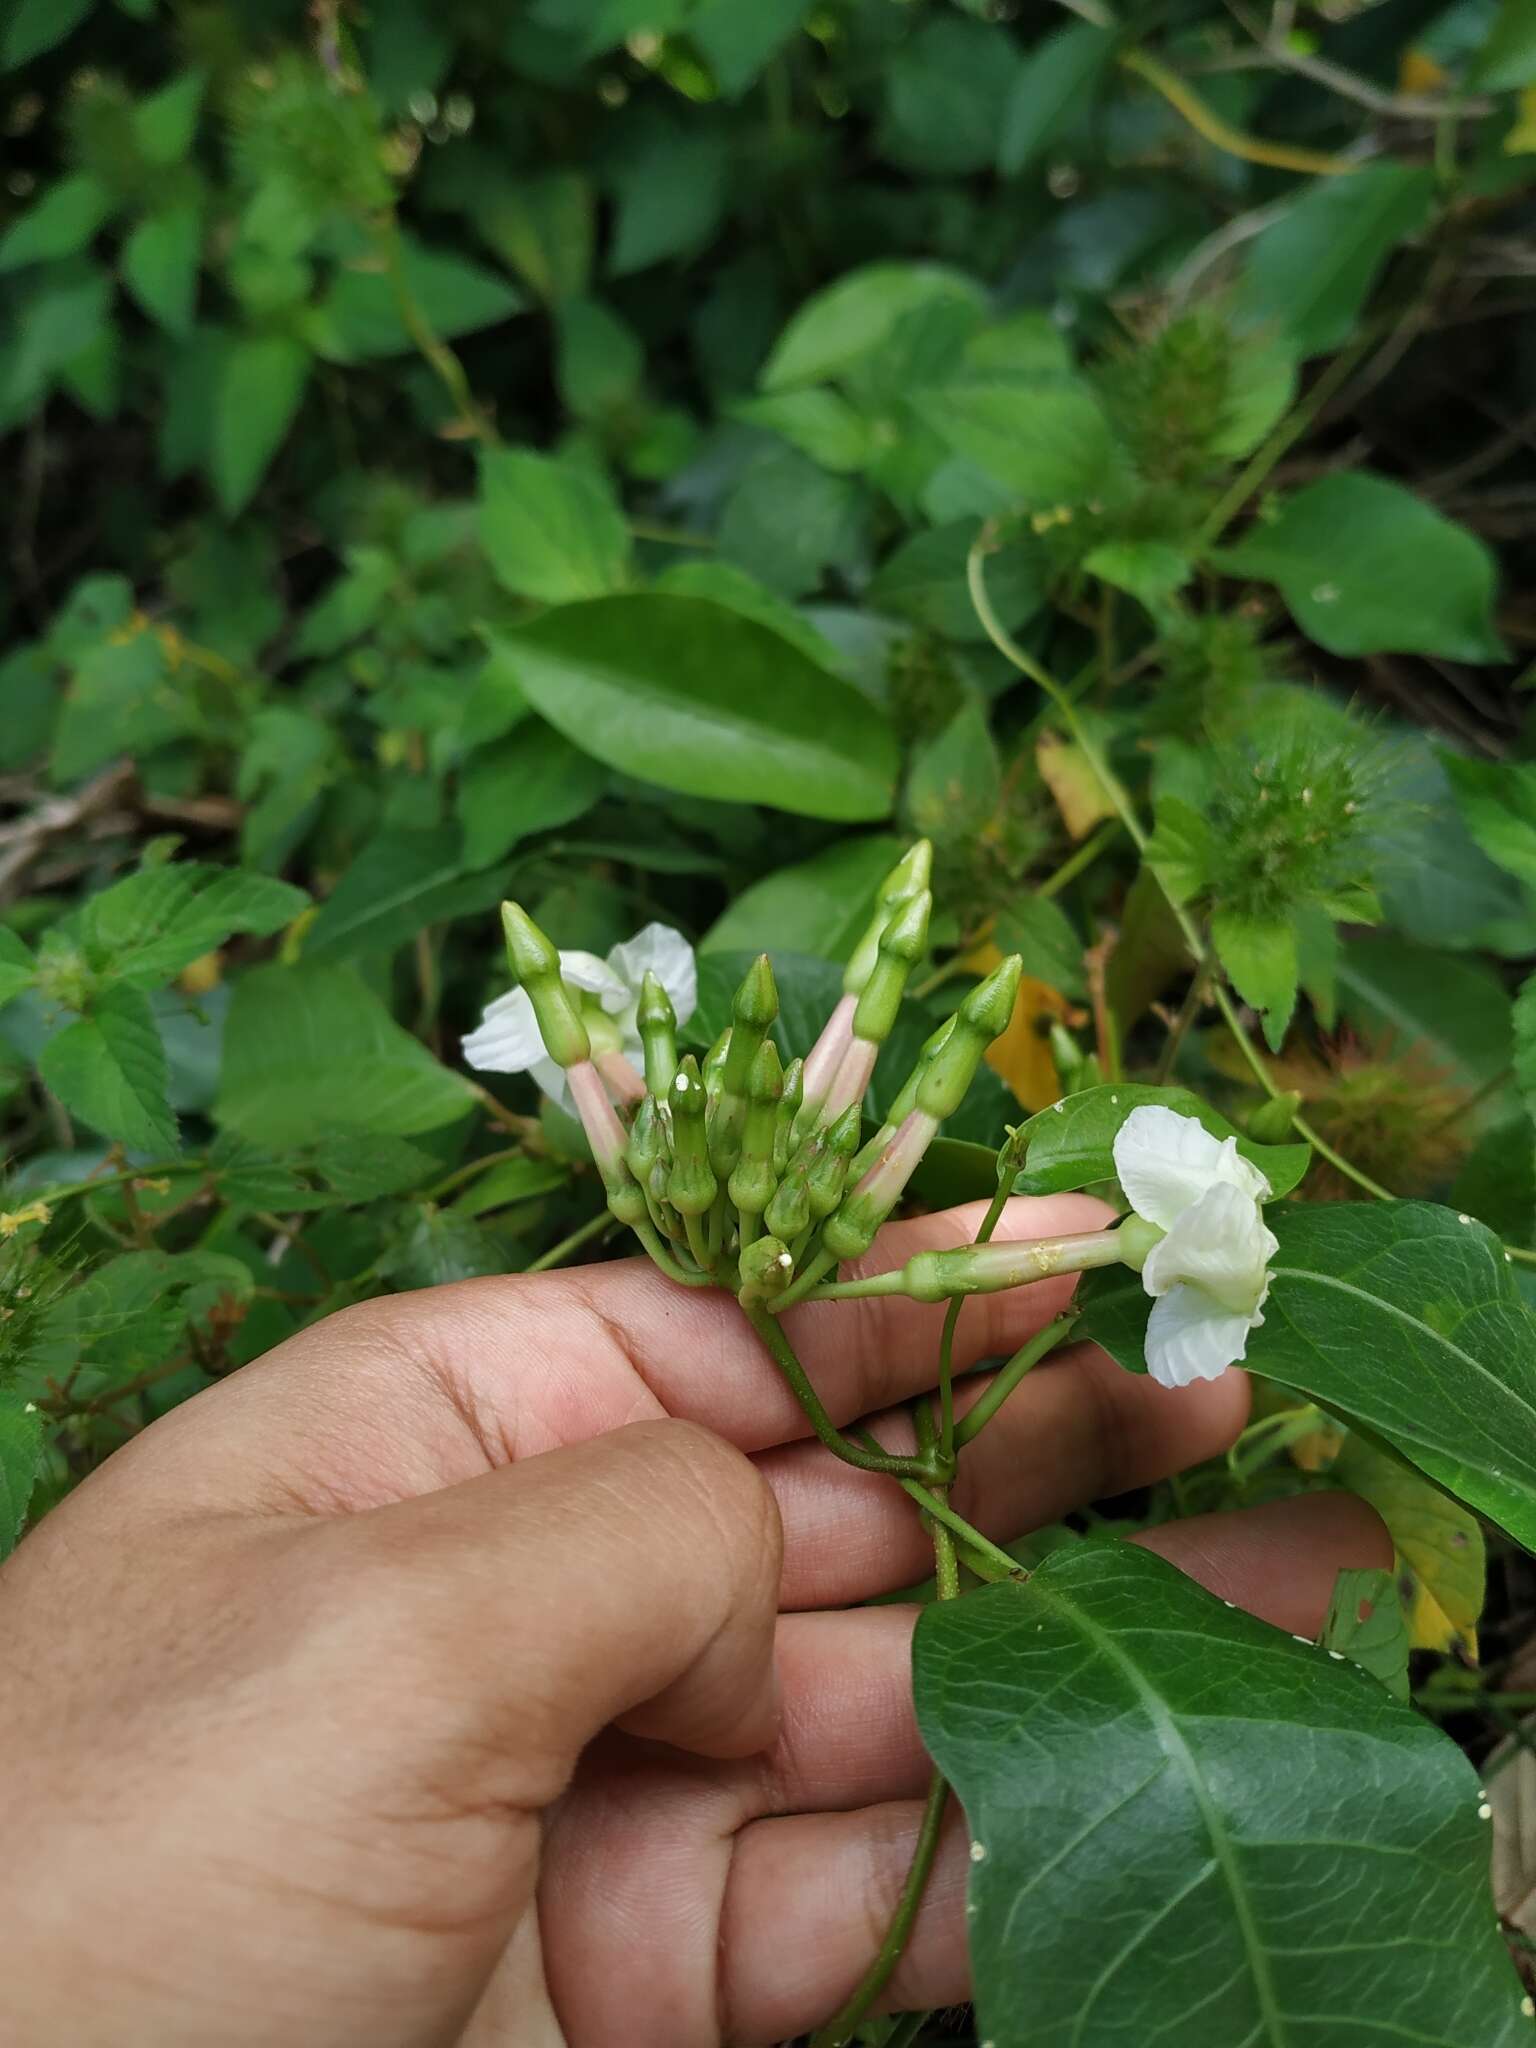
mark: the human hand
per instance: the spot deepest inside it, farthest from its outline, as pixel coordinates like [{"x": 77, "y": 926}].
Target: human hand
[{"x": 417, "y": 1685}]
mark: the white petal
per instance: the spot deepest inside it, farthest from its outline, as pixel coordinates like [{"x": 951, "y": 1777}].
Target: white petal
[
  {"x": 661, "y": 951},
  {"x": 1165, "y": 1162},
  {"x": 595, "y": 978},
  {"x": 552, "y": 1082},
  {"x": 1192, "y": 1337},
  {"x": 1219, "y": 1244},
  {"x": 506, "y": 1040}
]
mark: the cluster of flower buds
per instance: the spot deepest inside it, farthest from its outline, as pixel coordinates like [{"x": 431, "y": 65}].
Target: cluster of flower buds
[{"x": 743, "y": 1172}]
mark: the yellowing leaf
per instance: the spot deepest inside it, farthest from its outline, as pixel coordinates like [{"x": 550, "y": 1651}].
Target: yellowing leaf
[
  {"x": 1521, "y": 139},
  {"x": 1441, "y": 1565},
  {"x": 1417, "y": 71},
  {"x": 1080, "y": 796}
]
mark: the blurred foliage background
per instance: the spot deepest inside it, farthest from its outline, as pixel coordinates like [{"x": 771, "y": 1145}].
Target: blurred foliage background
[{"x": 651, "y": 456}]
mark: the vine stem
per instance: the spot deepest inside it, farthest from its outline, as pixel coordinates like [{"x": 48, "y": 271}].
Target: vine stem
[
  {"x": 947, "y": 1436},
  {"x": 1023, "y": 1361},
  {"x": 434, "y": 351},
  {"x": 797, "y": 1379},
  {"x": 1205, "y": 121},
  {"x": 593, "y": 1227}
]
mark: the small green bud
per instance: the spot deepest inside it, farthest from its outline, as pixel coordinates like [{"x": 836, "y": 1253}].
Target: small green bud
[
  {"x": 829, "y": 1171},
  {"x": 656, "y": 1021},
  {"x": 753, "y": 1179},
  {"x": 755, "y": 1007},
  {"x": 535, "y": 966},
  {"x": 983, "y": 1016},
  {"x": 766, "y": 1269},
  {"x": 647, "y": 1139},
  {"x": 789, "y": 1104},
  {"x": 691, "y": 1185},
  {"x": 909, "y": 877},
  {"x": 714, "y": 1062},
  {"x": 900, "y": 947},
  {"x": 789, "y": 1211},
  {"x": 1270, "y": 1123}
]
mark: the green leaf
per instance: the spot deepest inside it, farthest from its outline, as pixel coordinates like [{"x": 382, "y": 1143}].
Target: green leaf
[
  {"x": 1181, "y": 852},
  {"x": 542, "y": 227},
  {"x": 360, "y": 319},
  {"x": 1452, "y": 1012},
  {"x": 947, "y": 86},
  {"x": 925, "y": 580},
  {"x": 1037, "y": 928},
  {"x": 1311, "y": 271},
  {"x": 160, "y": 263},
  {"x": 686, "y": 694},
  {"x": 312, "y": 1049},
  {"x": 1045, "y": 438},
  {"x": 845, "y": 322},
  {"x": 33, "y": 26},
  {"x": 1071, "y": 1144},
  {"x": 1507, "y": 59},
  {"x": 327, "y": 1173},
  {"x": 60, "y": 223},
  {"x": 109, "y": 1070},
  {"x": 956, "y": 780},
  {"x": 1497, "y": 1179},
  {"x": 737, "y": 42},
  {"x": 1525, "y": 1038},
  {"x": 786, "y": 521},
  {"x": 401, "y": 882},
  {"x": 21, "y": 1459},
  {"x": 530, "y": 782},
  {"x": 739, "y": 592},
  {"x": 817, "y": 906},
  {"x": 817, "y": 422},
  {"x": 670, "y": 187},
  {"x": 146, "y": 928},
  {"x": 1365, "y": 1623},
  {"x": 1259, "y": 956},
  {"x": 1053, "y": 89},
  {"x": 1441, "y": 1557},
  {"x": 1367, "y": 567},
  {"x": 261, "y": 386},
  {"x": 1189, "y": 1827},
  {"x": 1401, "y": 1317},
  {"x": 551, "y": 531},
  {"x": 1148, "y": 570},
  {"x": 18, "y": 969},
  {"x": 165, "y": 124},
  {"x": 1497, "y": 801},
  {"x": 514, "y": 1180},
  {"x": 600, "y": 361}
]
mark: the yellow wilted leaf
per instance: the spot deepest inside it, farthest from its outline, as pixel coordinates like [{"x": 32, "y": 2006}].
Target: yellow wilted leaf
[
  {"x": 1521, "y": 139},
  {"x": 1417, "y": 71},
  {"x": 201, "y": 976},
  {"x": 1080, "y": 796},
  {"x": 1441, "y": 1565}
]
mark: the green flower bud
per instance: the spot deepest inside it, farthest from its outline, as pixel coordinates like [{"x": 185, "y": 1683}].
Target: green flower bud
[
  {"x": 984, "y": 1015},
  {"x": 657, "y": 1023},
  {"x": 829, "y": 1170},
  {"x": 789, "y": 1211},
  {"x": 901, "y": 946},
  {"x": 753, "y": 1010},
  {"x": 647, "y": 1139},
  {"x": 691, "y": 1185},
  {"x": 714, "y": 1063},
  {"x": 789, "y": 1104},
  {"x": 766, "y": 1269},
  {"x": 535, "y": 966},
  {"x": 753, "y": 1179},
  {"x": 909, "y": 877},
  {"x": 905, "y": 1102}
]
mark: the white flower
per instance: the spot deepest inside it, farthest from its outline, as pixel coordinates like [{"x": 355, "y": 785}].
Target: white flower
[
  {"x": 507, "y": 1040},
  {"x": 1209, "y": 1275}
]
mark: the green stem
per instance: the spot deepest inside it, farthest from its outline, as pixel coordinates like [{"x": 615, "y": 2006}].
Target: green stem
[
  {"x": 593, "y": 1227},
  {"x": 54, "y": 1196},
  {"x": 986, "y": 1558},
  {"x": 947, "y": 1437},
  {"x": 810, "y": 1280},
  {"x": 908, "y": 2030},
  {"x": 430, "y": 345},
  {"x": 782, "y": 1352},
  {"x": 1023, "y": 1361},
  {"x": 460, "y": 1174},
  {"x": 1079, "y": 858},
  {"x": 660, "y": 1257}
]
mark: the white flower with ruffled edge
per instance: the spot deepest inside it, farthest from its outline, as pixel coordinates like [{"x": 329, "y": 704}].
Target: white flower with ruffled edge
[
  {"x": 507, "y": 1041},
  {"x": 1209, "y": 1274}
]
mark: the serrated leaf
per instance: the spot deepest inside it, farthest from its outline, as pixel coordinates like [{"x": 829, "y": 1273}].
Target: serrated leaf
[
  {"x": 360, "y": 320},
  {"x": 312, "y": 1049},
  {"x": 146, "y": 928},
  {"x": 1440, "y": 1550},
  {"x": 839, "y": 326},
  {"x": 1181, "y": 851},
  {"x": 1367, "y": 568},
  {"x": 109, "y": 1070},
  {"x": 327, "y": 1173},
  {"x": 551, "y": 530},
  {"x": 1497, "y": 802},
  {"x": 21, "y": 1458},
  {"x": 817, "y": 422},
  {"x": 1259, "y": 957},
  {"x": 1190, "y": 1827},
  {"x": 1071, "y": 1145},
  {"x": 160, "y": 264},
  {"x": 1404, "y": 1319},
  {"x": 60, "y": 223},
  {"x": 1045, "y": 439},
  {"x": 1365, "y": 1623},
  {"x": 260, "y": 388},
  {"x": 686, "y": 694}
]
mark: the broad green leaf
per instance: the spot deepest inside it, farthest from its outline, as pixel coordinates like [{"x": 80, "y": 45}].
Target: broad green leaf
[
  {"x": 1045, "y": 438},
  {"x": 352, "y": 603},
  {"x": 1367, "y": 567},
  {"x": 551, "y": 530},
  {"x": 1311, "y": 271},
  {"x": 327, "y": 1173},
  {"x": 924, "y": 579},
  {"x": 600, "y": 361},
  {"x": 18, "y": 969},
  {"x": 542, "y": 227},
  {"x": 839, "y": 326},
  {"x": 1053, "y": 89},
  {"x": 736, "y": 42},
  {"x": 740, "y": 592},
  {"x": 1507, "y": 59},
  {"x": 514, "y": 1180},
  {"x": 1454, "y": 1012},
  {"x": 1039, "y": 930},
  {"x": 165, "y": 124},
  {"x": 439, "y": 1246},
  {"x": 817, "y": 906},
  {"x": 402, "y": 881},
  {"x": 311, "y": 1049},
  {"x": 146, "y": 928},
  {"x": 1259, "y": 956},
  {"x": 361, "y": 319},
  {"x": 955, "y": 781},
  {"x": 109, "y": 1070},
  {"x": 1400, "y": 1317},
  {"x": 529, "y": 782},
  {"x": 160, "y": 263},
  {"x": 947, "y": 86},
  {"x": 134, "y": 1312},
  {"x": 260, "y": 388},
  {"x": 670, "y": 186},
  {"x": 1440, "y": 1550},
  {"x": 21, "y": 1459},
  {"x": 1182, "y": 849},
  {"x": 1365, "y": 1622},
  {"x": 1497, "y": 801},
  {"x": 60, "y": 223},
  {"x": 817, "y": 422},
  {"x": 1187, "y": 1826},
  {"x": 787, "y": 521},
  {"x": 686, "y": 694},
  {"x": 1148, "y": 570},
  {"x": 1497, "y": 1179},
  {"x": 33, "y": 26},
  {"x": 1071, "y": 1144},
  {"x": 1435, "y": 881},
  {"x": 1525, "y": 1038}
]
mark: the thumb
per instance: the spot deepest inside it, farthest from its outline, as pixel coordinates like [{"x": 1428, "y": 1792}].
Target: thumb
[{"x": 631, "y": 1578}]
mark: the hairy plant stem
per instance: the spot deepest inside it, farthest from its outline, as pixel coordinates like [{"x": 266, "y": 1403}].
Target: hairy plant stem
[{"x": 927, "y": 1465}]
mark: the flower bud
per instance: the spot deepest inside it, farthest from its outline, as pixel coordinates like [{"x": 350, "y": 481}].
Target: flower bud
[
  {"x": 691, "y": 1185},
  {"x": 753, "y": 1178},
  {"x": 753, "y": 1011},
  {"x": 609, "y": 1144},
  {"x": 714, "y": 1063},
  {"x": 789, "y": 1211},
  {"x": 829, "y": 1169},
  {"x": 850, "y": 1231},
  {"x": 656, "y": 1021},
  {"x": 766, "y": 1269},
  {"x": 535, "y": 966},
  {"x": 790, "y": 1098},
  {"x": 991, "y": 1268},
  {"x": 905, "y": 1102},
  {"x": 900, "y": 947},
  {"x": 909, "y": 877},
  {"x": 647, "y": 1139},
  {"x": 984, "y": 1015}
]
